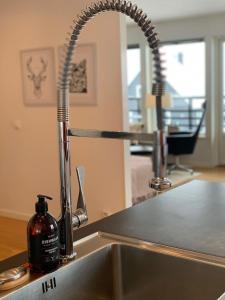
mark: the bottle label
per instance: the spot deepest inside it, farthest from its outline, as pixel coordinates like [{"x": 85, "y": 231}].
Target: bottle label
[
  {"x": 44, "y": 248},
  {"x": 50, "y": 248}
]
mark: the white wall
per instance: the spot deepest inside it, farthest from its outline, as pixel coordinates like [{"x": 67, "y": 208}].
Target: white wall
[
  {"x": 212, "y": 29},
  {"x": 29, "y": 156}
]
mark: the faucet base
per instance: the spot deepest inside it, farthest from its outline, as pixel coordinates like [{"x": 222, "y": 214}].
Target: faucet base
[
  {"x": 67, "y": 258},
  {"x": 160, "y": 184}
]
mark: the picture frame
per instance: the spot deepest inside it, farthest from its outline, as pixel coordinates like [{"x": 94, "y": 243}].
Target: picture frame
[
  {"x": 83, "y": 76},
  {"x": 38, "y": 76}
]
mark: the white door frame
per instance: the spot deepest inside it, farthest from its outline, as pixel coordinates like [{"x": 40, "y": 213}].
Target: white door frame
[{"x": 220, "y": 87}]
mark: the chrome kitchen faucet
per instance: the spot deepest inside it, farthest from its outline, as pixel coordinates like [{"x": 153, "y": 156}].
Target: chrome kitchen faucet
[{"x": 68, "y": 220}]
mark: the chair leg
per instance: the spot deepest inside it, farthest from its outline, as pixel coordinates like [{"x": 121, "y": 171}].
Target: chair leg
[
  {"x": 171, "y": 168},
  {"x": 179, "y": 167}
]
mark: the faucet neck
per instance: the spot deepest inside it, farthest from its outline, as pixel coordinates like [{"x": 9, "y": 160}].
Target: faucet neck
[{"x": 125, "y": 7}]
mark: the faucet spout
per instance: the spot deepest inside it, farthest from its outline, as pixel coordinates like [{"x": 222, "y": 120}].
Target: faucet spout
[{"x": 68, "y": 219}]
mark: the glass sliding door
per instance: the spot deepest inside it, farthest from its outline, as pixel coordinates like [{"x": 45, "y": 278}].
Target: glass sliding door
[
  {"x": 221, "y": 111},
  {"x": 185, "y": 75},
  {"x": 134, "y": 85},
  {"x": 223, "y": 89}
]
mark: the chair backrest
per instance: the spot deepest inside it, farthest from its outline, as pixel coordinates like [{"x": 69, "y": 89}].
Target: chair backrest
[
  {"x": 185, "y": 143},
  {"x": 201, "y": 120}
]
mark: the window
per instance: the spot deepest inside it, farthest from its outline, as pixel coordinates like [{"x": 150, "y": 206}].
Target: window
[
  {"x": 185, "y": 80},
  {"x": 134, "y": 84},
  {"x": 223, "y": 87}
]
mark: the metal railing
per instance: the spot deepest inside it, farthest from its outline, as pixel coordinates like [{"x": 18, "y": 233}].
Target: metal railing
[
  {"x": 134, "y": 107},
  {"x": 183, "y": 114}
]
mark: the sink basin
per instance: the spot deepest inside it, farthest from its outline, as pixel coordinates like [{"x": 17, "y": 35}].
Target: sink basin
[{"x": 112, "y": 267}]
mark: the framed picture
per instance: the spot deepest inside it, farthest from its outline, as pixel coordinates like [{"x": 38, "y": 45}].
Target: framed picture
[
  {"x": 83, "y": 77},
  {"x": 38, "y": 76}
]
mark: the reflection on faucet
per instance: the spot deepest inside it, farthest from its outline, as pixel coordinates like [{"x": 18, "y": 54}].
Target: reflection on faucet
[
  {"x": 160, "y": 182},
  {"x": 80, "y": 216}
]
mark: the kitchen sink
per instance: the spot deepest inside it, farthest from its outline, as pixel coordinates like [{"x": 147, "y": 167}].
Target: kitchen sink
[{"x": 114, "y": 267}]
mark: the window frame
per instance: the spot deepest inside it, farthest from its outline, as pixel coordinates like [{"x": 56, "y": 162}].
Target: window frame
[{"x": 188, "y": 41}]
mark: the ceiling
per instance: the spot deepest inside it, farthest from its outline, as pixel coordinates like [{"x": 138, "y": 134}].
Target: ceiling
[{"x": 160, "y": 10}]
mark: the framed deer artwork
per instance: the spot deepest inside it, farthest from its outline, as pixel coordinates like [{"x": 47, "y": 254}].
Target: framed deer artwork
[
  {"x": 38, "y": 76},
  {"x": 83, "y": 75}
]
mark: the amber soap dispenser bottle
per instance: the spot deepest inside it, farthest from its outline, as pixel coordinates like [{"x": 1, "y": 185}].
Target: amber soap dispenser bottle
[{"x": 43, "y": 238}]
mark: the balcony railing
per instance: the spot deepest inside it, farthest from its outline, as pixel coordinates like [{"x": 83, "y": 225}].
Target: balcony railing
[
  {"x": 185, "y": 113},
  {"x": 135, "y": 111}
]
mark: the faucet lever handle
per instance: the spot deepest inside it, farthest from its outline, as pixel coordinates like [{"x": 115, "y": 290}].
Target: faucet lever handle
[
  {"x": 80, "y": 177},
  {"x": 80, "y": 215}
]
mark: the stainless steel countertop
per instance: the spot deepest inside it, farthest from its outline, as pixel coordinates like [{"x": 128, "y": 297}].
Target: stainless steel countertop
[{"x": 190, "y": 217}]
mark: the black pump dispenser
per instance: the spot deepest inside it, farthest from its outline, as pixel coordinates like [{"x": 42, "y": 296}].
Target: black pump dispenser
[
  {"x": 41, "y": 205},
  {"x": 43, "y": 238}
]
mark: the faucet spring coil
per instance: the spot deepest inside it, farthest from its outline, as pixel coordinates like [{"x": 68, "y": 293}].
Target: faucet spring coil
[
  {"x": 62, "y": 114},
  {"x": 134, "y": 13}
]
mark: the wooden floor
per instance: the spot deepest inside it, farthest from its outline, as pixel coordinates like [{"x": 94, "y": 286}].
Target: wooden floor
[
  {"x": 12, "y": 237},
  {"x": 211, "y": 174},
  {"x": 13, "y": 232}
]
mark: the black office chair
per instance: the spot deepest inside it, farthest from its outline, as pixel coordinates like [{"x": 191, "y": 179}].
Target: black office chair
[{"x": 183, "y": 143}]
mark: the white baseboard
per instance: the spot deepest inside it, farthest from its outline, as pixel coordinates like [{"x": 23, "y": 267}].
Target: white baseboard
[
  {"x": 14, "y": 215},
  {"x": 194, "y": 163},
  {"x": 200, "y": 164}
]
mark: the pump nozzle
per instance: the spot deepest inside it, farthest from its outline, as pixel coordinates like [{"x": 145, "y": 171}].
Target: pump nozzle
[
  {"x": 41, "y": 205},
  {"x": 43, "y": 197}
]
